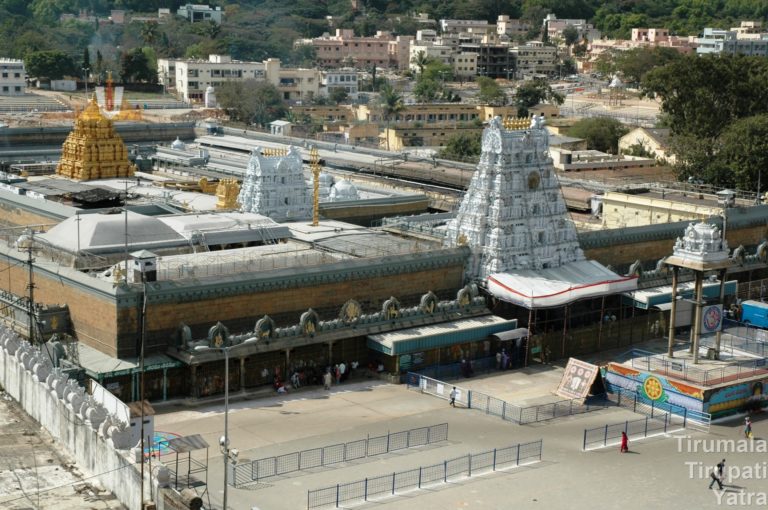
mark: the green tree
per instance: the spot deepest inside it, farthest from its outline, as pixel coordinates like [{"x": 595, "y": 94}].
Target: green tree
[
  {"x": 490, "y": 91},
  {"x": 601, "y": 133},
  {"x": 634, "y": 64},
  {"x": 462, "y": 147},
  {"x": 426, "y": 90},
  {"x": 533, "y": 92},
  {"x": 53, "y": 65},
  {"x": 135, "y": 67},
  {"x": 391, "y": 103},
  {"x": 742, "y": 151},
  {"x": 437, "y": 71},
  {"x": 570, "y": 35},
  {"x": 86, "y": 58},
  {"x": 251, "y": 101},
  {"x": 338, "y": 95},
  {"x": 703, "y": 95}
]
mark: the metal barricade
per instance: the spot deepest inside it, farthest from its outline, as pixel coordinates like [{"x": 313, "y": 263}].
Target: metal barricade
[
  {"x": 268, "y": 467},
  {"x": 399, "y": 482}
]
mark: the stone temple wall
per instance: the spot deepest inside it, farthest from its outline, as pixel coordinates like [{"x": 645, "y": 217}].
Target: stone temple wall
[{"x": 97, "y": 441}]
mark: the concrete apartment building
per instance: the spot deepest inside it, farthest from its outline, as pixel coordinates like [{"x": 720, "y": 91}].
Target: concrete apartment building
[
  {"x": 190, "y": 78},
  {"x": 749, "y": 38},
  {"x": 344, "y": 49},
  {"x": 345, "y": 78},
  {"x": 511, "y": 28},
  {"x": 535, "y": 58},
  {"x": 195, "y": 13},
  {"x": 493, "y": 60},
  {"x": 457, "y": 26},
  {"x": 12, "y": 81},
  {"x": 556, "y": 26}
]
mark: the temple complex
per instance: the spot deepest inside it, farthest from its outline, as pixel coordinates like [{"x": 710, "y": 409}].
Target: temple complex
[{"x": 93, "y": 150}]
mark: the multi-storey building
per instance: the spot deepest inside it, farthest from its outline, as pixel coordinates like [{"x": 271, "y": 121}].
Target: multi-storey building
[
  {"x": 511, "y": 27},
  {"x": 344, "y": 78},
  {"x": 12, "y": 77},
  {"x": 456, "y": 26},
  {"x": 556, "y": 26},
  {"x": 534, "y": 58},
  {"x": 713, "y": 39},
  {"x": 190, "y": 78},
  {"x": 746, "y": 39},
  {"x": 297, "y": 84},
  {"x": 344, "y": 49},
  {"x": 493, "y": 60},
  {"x": 195, "y": 13}
]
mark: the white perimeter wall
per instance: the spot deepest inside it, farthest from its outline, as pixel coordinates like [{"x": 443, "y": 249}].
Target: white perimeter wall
[{"x": 50, "y": 402}]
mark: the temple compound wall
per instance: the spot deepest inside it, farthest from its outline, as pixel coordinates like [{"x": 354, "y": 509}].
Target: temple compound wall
[
  {"x": 620, "y": 247},
  {"x": 99, "y": 443},
  {"x": 107, "y": 317}
]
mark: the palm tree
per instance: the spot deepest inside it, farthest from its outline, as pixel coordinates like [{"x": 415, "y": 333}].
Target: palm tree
[
  {"x": 420, "y": 60},
  {"x": 391, "y": 103}
]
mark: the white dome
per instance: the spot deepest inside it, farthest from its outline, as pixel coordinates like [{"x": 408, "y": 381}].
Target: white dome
[
  {"x": 178, "y": 145},
  {"x": 344, "y": 190},
  {"x": 326, "y": 179},
  {"x": 209, "y": 90}
]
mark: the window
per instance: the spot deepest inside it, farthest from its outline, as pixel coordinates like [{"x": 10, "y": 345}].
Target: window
[{"x": 17, "y": 88}]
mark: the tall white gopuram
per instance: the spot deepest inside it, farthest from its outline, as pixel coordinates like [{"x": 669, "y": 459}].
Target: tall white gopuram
[
  {"x": 513, "y": 217},
  {"x": 274, "y": 186}
]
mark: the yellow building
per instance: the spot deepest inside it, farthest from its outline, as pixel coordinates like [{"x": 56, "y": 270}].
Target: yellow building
[{"x": 633, "y": 210}]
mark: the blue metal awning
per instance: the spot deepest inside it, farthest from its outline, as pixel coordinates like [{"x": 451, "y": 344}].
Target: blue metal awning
[
  {"x": 433, "y": 336},
  {"x": 645, "y": 299}
]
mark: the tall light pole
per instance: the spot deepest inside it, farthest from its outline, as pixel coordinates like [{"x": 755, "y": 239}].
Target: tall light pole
[
  {"x": 224, "y": 440},
  {"x": 86, "y": 70}
]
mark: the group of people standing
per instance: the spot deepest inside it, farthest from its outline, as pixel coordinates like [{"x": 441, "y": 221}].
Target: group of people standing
[{"x": 338, "y": 373}]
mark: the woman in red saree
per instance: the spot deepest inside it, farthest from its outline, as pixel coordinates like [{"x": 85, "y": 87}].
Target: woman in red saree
[{"x": 624, "y": 442}]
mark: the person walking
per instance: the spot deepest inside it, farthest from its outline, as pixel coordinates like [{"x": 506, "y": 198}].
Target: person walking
[
  {"x": 747, "y": 428},
  {"x": 498, "y": 360},
  {"x": 327, "y": 379},
  {"x": 454, "y": 394},
  {"x": 624, "y": 443},
  {"x": 717, "y": 475}
]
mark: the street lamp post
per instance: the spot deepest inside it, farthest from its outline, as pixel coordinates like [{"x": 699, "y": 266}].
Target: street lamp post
[{"x": 224, "y": 440}]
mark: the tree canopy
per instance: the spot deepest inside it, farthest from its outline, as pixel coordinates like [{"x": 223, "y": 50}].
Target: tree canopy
[
  {"x": 533, "y": 92},
  {"x": 53, "y": 65},
  {"x": 490, "y": 91},
  {"x": 251, "y": 101},
  {"x": 601, "y": 133}
]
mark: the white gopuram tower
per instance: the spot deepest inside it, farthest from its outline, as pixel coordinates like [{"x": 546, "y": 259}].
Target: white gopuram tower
[
  {"x": 513, "y": 217},
  {"x": 274, "y": 186}
]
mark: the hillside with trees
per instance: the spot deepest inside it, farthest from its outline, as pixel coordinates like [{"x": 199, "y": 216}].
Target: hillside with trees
[{"x": 257, "y": 29}]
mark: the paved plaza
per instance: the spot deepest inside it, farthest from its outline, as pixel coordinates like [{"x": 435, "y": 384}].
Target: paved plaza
[{"x": 653, "y": 475}]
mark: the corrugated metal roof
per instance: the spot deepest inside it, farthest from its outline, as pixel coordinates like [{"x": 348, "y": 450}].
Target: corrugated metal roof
[
  {"x": 409, "y": 340},
  {"x": 511, "y": 335},
  {"x": 187, "y": 443}
]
